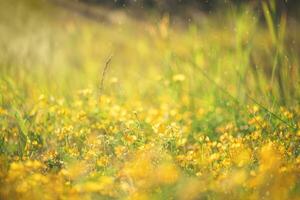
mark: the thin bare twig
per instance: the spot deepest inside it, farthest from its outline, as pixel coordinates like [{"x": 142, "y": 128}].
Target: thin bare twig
[{"x": 103, "y": 75}]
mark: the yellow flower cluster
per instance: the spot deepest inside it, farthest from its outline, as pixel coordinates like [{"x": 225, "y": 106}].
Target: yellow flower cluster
[{"x": 102, "y": 149}]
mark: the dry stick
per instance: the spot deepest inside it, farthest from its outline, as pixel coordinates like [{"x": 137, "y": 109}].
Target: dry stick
[
  {"x": 237, "y": 101},
  {"x": 103, "y": 76}
]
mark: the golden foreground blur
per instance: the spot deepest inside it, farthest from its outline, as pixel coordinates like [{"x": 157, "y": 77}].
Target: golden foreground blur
[{"x": 206, "y": 110}]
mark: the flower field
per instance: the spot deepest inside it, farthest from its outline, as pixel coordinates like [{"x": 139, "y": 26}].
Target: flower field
[{"x": 149, "y": 108}]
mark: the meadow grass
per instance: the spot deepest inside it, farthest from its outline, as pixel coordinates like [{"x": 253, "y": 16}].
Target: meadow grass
[{"x": 148, "y": 109}]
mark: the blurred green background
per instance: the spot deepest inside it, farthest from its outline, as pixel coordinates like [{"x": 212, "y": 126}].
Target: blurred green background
[{"x": 57, "y": 47}]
